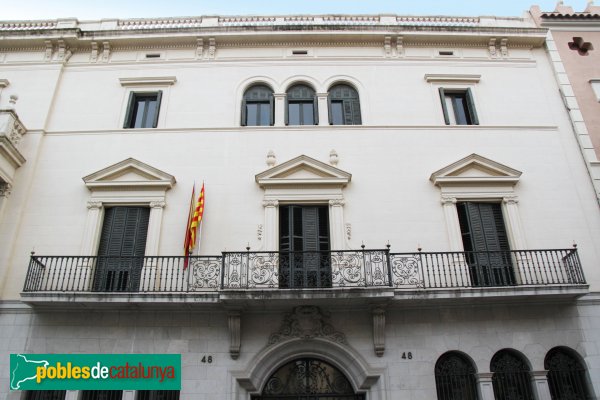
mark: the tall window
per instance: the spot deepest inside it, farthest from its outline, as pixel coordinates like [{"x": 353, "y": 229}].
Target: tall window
[
  {"x": 46, "y": 395},
  {"x": 511, "y": 379},
  {"x": 157, "y": 395},
  {"x": 143, "y": 109},
  {"x": 121, "y": 250},
  {"x": 486, "y": 244},
  {"x": 458, "y": 107},
  {"x": 304, "y": 245},
  {"x": 566, "y": 375},
  {"x": 455, "y": 378},
  {"x": 344, "y": 106},
  {"x": 257, "y": 106},
  {"x": 301, "y": 106},
  {"x": 101, "y": 395}
]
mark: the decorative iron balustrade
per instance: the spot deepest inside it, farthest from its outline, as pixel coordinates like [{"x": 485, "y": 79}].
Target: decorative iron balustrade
[
  {"x": 123, "y": 274},
  {"x": 486, "y": 269},
  {"x": 292, "y": 270}
]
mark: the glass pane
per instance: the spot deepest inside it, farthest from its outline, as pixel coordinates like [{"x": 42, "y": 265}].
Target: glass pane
[
  {"x": 307, "y": 114},
  {"x": 140, "y": 107},
  {"x": 294, "y": 114},
  {"x": 337, "y": 113},
  {"x": 150, "y": 113},
  {"x": 460, "y": 109},
  {"x": 251, "y": 113},
  {"x": 450, "y": 108},
  {"x": 265, "y": 115}
]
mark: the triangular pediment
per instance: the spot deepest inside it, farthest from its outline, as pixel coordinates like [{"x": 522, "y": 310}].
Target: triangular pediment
[
  {"x": 475, "y": 169},
  {"x": 303, "y": 170},
  {"x": 129, "y": 172}
]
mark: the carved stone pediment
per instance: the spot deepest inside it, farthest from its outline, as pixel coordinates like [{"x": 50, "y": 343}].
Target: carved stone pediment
[
  {"x": 477, "y": 170},
  {"x": 306, "y": 322},
  {"x": 303, "y": 170},
  {"x": 129, "y": 173}
]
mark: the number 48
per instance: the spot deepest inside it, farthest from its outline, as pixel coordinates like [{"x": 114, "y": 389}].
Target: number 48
[
  {"x": 407, "y": 355},
  {"x": 207, "y": 359}
]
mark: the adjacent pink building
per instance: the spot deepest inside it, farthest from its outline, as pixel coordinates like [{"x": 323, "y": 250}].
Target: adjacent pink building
[{"x": 574, "y": 46}]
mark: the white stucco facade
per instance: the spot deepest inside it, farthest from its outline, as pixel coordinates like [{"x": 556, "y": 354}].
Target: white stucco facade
[{"x": 395, "y": 179}]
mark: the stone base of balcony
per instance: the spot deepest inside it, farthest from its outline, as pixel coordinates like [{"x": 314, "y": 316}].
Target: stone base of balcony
[{"x": 273, "y": 299}]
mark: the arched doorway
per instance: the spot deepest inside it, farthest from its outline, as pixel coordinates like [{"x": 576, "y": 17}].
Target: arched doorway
[{"x": 308, "y": 379}]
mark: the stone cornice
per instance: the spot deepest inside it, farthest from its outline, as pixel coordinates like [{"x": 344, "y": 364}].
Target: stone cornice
[{"x": 153, "y": 31}]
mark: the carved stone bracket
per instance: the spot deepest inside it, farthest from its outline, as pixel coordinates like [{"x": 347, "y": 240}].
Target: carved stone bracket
[
  {"x": 379, "y": 331},
  {"x": 400, "y": 46},
  {"x": 510, "y": 199},
  {"x": 105, "y": 51},
  {"x": 492, "y": 48},
  {"x": 270, "y": 203},
  {"x": 212, "y": 48},
  {"x": 199, "y": 48},
  {"x": 92, "y": 205},
  {"x": 449, "y": 200},
  {"x": 387, "y": 46},
  {"x": 337, "y": 202},
  {"x": 49, "y": 50},
  {"x": 157, "y": 204},
  {"x": 94, "y": 53},
  {"x": 306, "y": 322},
  {"x": 235, "y": 325},
  {"x": 504, "y": 47},
  {"x": 5, "y": 189}
]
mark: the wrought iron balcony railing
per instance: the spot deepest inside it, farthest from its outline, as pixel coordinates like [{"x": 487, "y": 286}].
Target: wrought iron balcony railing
[{"x": 292, "y": 270}]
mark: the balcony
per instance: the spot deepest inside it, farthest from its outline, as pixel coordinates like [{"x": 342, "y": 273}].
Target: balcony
[{"x": 349, "y": 274}]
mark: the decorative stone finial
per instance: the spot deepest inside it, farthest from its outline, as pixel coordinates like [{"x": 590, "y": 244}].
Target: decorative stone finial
[
  {"x": 333, "y": 157},
  {"x": 271, "y": 160}
]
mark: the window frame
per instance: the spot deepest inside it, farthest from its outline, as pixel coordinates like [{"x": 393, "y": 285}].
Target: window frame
[
  {"x": 355, "y": 114},
  {"x": 314, "y": 101},
  {"x": 132, "y": 108},
  {"x": 246, "y": 101},
  {"x": 469, "y": 103}
]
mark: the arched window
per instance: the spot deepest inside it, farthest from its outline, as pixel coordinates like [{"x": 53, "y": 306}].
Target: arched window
[
  {"x": 308, "y": 378},
  {"x": 257, "y": 106},
  {"x": 455, "y": 377},
  {"x": 301, "y": 106},
  {"x": 344, "y": 106},
  {"x": 566, "y": 375},
  {"x": 511, "y": 379}
]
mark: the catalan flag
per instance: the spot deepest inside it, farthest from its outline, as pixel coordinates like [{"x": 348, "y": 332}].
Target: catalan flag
[
  {"x": 188, "y": 235},
  {"x": 196, "y": 219}
]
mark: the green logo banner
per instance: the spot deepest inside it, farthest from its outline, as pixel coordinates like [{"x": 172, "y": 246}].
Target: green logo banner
[{"x": 95, "y": 372}]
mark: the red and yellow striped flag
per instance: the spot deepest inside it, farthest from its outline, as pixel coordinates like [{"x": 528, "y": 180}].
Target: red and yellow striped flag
[
  {"x": 188, "y": 236},
  {"x": 196, "y": 220}
]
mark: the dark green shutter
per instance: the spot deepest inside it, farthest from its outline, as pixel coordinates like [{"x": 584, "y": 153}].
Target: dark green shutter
[
  {"x": 158, "y": 100},
  {"x": 347, "y": 110},
  {"x": 444, "y": 108},
  {"x": 315, "y": 110},
  {"x": 244, "y": 113},
  {"x": 287, "y": 110},
  {"x": 272, "y": 109},
  {"x": 471, "y": 106},
  {"x": 124, "y": 234},
  {"x": 130, "y": 107},
  {"x": 329, "y": 110},
  {"x": 356, "y": 115},
  {"x": 483, "y": 224}
]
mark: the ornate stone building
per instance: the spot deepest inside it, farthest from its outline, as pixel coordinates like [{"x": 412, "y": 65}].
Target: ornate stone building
[{"x": 396, "y": 207}]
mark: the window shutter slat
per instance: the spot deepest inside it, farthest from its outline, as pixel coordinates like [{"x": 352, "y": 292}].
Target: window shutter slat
[
  {"x": 158, "y": 101},
  {"x": 356, "y": 115},
  {"x": 347, "y": 108},
  {"x": 287, "y": 110},
  {"x": 244, "y": 113},
  {"x": 444, "y": 108},
  {"x": 272, "y": 109},
  {"x": 130, "y": 106},
  {"x": 329, "y": 110},
  {"x": 471, "y": 105},
  {"x": 315, "y": 110}
]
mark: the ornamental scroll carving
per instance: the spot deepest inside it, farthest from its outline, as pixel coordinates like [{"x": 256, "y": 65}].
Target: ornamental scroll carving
[{"x": 306, "y": 322}]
